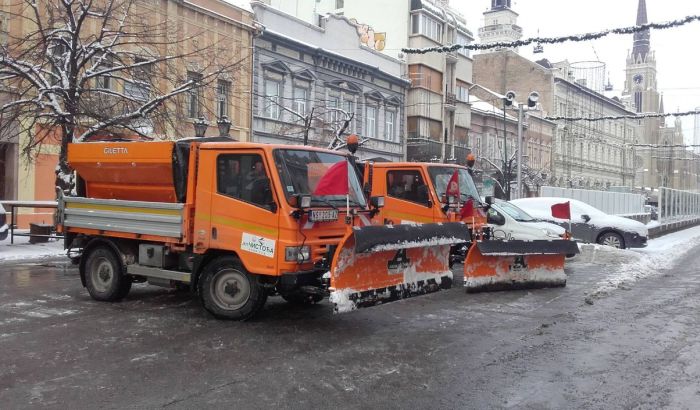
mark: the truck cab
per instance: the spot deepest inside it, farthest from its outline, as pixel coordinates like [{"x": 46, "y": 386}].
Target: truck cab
[{"x": 416, "y": 192}]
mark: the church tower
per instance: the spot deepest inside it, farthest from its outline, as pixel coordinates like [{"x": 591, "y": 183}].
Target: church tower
[
  {"x": 500, "y": 24},
  {"x": 640, "y": 85},
  {"x": 642, "y": 94}
]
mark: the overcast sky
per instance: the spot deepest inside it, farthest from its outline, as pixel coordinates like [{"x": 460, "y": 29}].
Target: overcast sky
[{"x": 677, "y": 49}]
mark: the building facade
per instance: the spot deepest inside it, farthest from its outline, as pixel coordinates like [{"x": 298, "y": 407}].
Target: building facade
[
  {"x": 304, "y": 92},
  {"x": 223, "y": 29},
  {"x": 438, "y": 116},
  {"x": 593, "y": 155}
]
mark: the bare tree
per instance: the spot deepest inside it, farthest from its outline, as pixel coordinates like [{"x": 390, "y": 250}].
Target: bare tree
[
  {"x": 101, "y": 67},
  {"x": 335, "y": 121}
]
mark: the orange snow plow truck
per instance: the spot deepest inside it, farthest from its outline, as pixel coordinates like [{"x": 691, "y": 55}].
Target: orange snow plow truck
[
  {"x": 430, "y": 192},
  {"x": 238, "y": 222}
]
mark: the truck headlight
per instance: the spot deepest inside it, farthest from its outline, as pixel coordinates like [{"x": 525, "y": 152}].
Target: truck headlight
[{"x": 297, "y": 254}]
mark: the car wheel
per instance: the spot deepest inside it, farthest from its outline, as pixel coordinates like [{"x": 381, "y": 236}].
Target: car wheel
[{"x": 612, "y": 239}]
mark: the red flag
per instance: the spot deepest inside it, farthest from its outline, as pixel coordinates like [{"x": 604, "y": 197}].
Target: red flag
[
  {"x": 562, "y": 211},
  {"x": 467, "y": 209},
  {"x": 453, "y": 185},
  {"x": 334, "y": 181}
]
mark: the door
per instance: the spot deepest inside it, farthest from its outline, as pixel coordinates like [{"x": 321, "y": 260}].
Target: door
[
  {"x": 244, "y": 209},
  {"x": 407, "y": 197}
]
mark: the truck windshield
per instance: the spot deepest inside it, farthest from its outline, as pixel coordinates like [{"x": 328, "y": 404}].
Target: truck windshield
[
  {"x": 301, "y": 170},
  {"x": 441, "y": 177}
]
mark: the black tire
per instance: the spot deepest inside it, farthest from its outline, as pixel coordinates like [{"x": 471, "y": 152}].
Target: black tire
[
  {"x": 105, "y": 276},
  {"x": 612, "y": 239},
  {"x": 228, "y": 291},
  {"x": 301, "y": 299}
]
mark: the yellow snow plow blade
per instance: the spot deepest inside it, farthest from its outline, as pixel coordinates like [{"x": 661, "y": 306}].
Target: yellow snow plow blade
[
  {"x": 378, "y": 264},
  {"x": 507, "y": 265}
]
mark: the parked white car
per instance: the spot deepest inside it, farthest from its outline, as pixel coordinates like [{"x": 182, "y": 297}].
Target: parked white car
[
  {"x": 589, "y": 224},
  {"x": 519, "y": 225}
]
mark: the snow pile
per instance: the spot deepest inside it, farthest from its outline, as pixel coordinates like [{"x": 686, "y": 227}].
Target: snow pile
[
  {"x": 23, "y": 250},
  {"x": 628, "y": 266}
]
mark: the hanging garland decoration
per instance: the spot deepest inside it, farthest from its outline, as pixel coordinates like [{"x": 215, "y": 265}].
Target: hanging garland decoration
[
  {"x": 623, "y": 117},
  {"x": 555, "y": 40}
]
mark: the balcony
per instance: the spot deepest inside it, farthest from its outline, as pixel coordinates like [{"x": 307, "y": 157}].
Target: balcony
[{"x": 450, "y": 101}]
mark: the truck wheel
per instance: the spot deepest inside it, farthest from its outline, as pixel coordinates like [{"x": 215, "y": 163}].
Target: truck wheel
[
  {"x": 228, "y": 291},
  {"x": 104, "y": 275}
]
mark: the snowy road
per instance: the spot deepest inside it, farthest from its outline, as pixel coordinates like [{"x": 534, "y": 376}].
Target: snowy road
[{"x": 625, "y": 332}]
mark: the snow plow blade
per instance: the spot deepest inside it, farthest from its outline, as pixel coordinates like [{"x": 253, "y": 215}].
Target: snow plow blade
[
  {"x": 379, "y": 264},
  {"x": 510, "y": 265}
]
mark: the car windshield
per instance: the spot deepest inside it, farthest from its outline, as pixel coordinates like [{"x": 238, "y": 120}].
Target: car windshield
[
  {"x": 515, "y": 212},
  {"x": 301, "y": 170},
  {"x": 441, "y": 177}
]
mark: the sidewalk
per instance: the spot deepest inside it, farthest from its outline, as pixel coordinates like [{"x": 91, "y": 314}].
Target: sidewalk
[{"x": 23, "y": 250}]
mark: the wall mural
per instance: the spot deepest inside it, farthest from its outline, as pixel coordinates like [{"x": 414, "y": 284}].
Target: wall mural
[{"x": 368, "y": 37}]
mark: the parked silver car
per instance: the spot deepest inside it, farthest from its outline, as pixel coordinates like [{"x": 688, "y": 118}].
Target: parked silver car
[{"x": 589, "y": 224}]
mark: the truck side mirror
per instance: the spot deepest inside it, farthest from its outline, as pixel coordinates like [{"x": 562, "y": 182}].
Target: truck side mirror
[
  {"x": 377, "y": 202},
  {"x": 489, "y": 200}
]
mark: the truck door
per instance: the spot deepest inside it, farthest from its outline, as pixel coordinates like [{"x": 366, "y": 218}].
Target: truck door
[
  {"x": 244, "y": 209},
  {"x": 407, "y": 197}
]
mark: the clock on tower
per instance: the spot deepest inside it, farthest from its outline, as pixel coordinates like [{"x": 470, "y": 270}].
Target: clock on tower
[{"x": 638, "y": 78}]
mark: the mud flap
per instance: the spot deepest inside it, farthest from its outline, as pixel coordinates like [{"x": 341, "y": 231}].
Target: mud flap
[
  {"x": 379, "y": 264},
  {"x": 509, "y": 265}
]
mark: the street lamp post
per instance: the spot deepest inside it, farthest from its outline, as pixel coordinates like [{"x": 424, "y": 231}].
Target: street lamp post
[
  {"x": 200, "y": 127},
  {"x": 507, "y": 102},
  {"x": 224, "y": 125},
  {"x": 531, "y": 105}
]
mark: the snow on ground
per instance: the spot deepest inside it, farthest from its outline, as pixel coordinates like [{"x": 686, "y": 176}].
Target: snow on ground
[
  {"x": 653, "y": 224},
  {"x": 23, "y": 250},
  {"x": 629, "y": 265}
]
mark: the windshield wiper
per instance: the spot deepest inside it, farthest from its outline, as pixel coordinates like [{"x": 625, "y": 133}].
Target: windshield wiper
[{"x": 329, "y": 203}]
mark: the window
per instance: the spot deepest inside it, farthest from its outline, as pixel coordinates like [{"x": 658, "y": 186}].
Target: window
[
  {"x": 427, "y": 26},
  {"x": 339, "y": 4},
  {"x": 333, "y": 105},
  {"x": 407, "y": 185},
  {"x": 390, "y": 128},
  {"x": 105, "y": 81},
  {"x": 271, "y": 103},
  {"x": 243, "y": 177},
  {"x": 350, "y": 109},
  {"x": 194, "y": 95},
  {"x": 139, "y": 88},
  {"x": 462, "y": 93},
  {"x": 371, "y": 123},
  {"x": 300, "y": 98},
  {"x": 463, "y": 40},
  {"x": 223, "y": 90}
]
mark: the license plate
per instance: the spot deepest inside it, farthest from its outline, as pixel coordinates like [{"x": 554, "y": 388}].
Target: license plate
[{"x": 323, "y": 215}]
